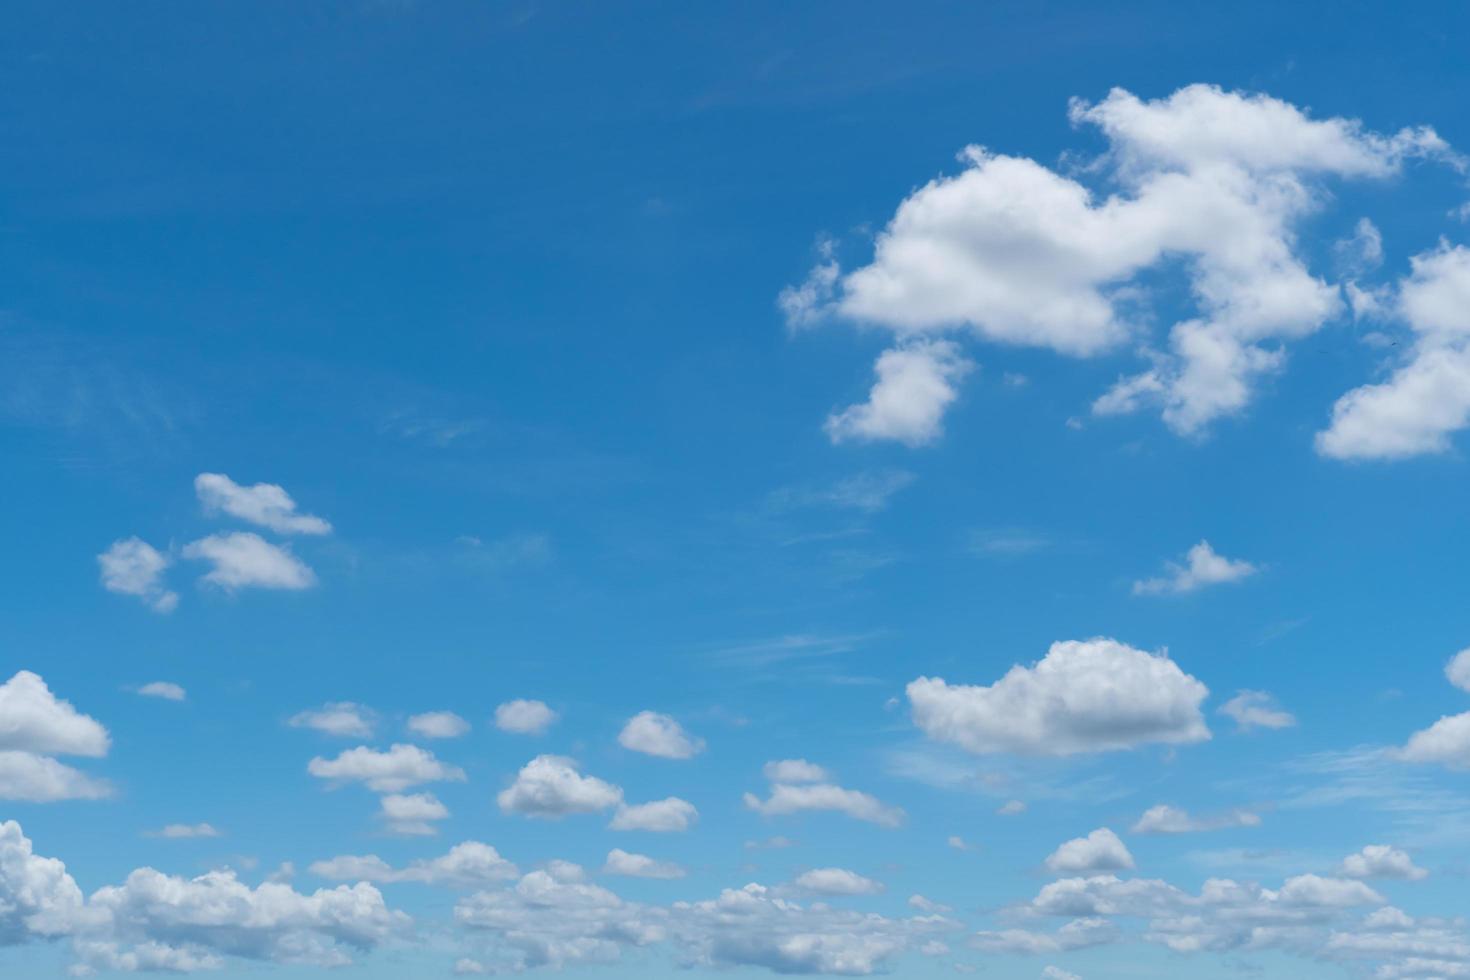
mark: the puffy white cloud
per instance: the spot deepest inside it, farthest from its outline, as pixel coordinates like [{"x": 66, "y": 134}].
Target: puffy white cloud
[
  {"x": 669, "y": 815},
  {"x": 438, "y": 724},
  {"x": 655, "y": 734},
  {"x": 32, "y": 719},
  {"x": 155, "y": 921},
  {"x": 467, "y": 865},
  {"x": 1165, "y": 819},
  {"x": 1256, "y": 709},
  {"x": 795, "y": 771},
  {"x": 1100, "y": 850},
  {"x": 621, "y": 862},
  {"x": 38, "y": 899},
  {"x": 33, "y": 778},
  {"x": 1202, "y": 566},
  {"x": 342, "y": 718},
  {"x": 787, "y": 799},
  {"x": 412, "y": 815},
  {"x": 1016, "y": 253},
  {"x": 1457, "y": 671},
  {"x": 523, "y": 717},
  {"x": 134, "y": 567},
  {"x": 836, "y": 881},
  {"x": 1446, "y": 742},
  {"x": 392, "y": 771},
  {"x": 167, "y": 690},
  {"x": 1084, "y": 696},
  {"x": 552, "y": 786},
  {"x": 186, "y": 831},
  {"x": 265, "y": 504},
  {"x": 1381, "y": 861},
  {"x": 244, "y": 560},
  {"x": 915, "y": 386},
  {"x": 1427, "y": 397}
]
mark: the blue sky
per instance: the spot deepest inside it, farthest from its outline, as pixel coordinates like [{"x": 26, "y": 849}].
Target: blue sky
[{"x": 816, "y": 489}]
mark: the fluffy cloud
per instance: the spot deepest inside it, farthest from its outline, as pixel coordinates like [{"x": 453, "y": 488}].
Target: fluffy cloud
[
  {"x": 35, "y": 725},
  {"x": 438, "y": 724},
  {"x": 1165, "y": 819},
  {"x": 155, "y": 921},
  {"x": 1083, "y": 696},
  {"x": 186, "y": 831},
  {"x": 1381, "y": 861},
  {"x": 1446, "y": 742},
  {"x": 1457, "y": 671},
  {"x": 468, "y": 865},
  {"x": 552, "y": 786},
  {"x": 1256, "y": 709},
  {"x": 621, "y": 862},
  {"x": 669, "y": 815},
  {"x": 412, "y": 815},
  {"x": 787, "y": 799},
  {"x": 32, "y": 719},
  {"x": 523, "y": 717},
  {"x": 915, "y": 385},
  {"x": 264, "y": 503},
  {"x": 1427, "y": 397},
  {"x": 836, "y": 881},
  {"x": 392, "y": 771},
  {"x": 1100, "y": 850},
  {"x": 134, "y": 567},
  {"x": 795, "y": 771},
  {"x": 244, "y": 560},
  {"x": 654, "y": 734},
  {"x": 1016, "y": 253},
  {"x": 1202, "y": 566},
  {"x": 166, "y": 690},
  {"x": 342, "y": 718}
]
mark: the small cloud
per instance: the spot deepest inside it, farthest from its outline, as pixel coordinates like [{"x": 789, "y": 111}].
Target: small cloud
[
  {"x": 659, "y": 735},
  {"x": 265, "y": 504},
  {"x": 1011, "y": 808},
  {"x": 1202, "y": 567},
  {"x": 438, "y": 724},
  {"x": 134, "y": 567},
  {"x": 166, "y": 690},
  {"x": 245, "y": 560},
  {"x": 524, "y": 717},
  {"x": 1256, "y": 709},
  {"x": 1007, "y": 542},
  {"x": 185, "y": 831},
  {"x": 621, "y": 862},
  {"x": 341, "y": 718}
]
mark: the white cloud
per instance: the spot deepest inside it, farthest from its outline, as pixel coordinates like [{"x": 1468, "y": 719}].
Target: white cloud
[
  {"x": 397, "y": 769},
  {"x": 438, "y": 724},
  {"x": 32, "y": 778},
  {"x": 1011, "y": 808},
  {"x": 869, "y": 491},
  {"x": 134, "y": 567},
  {"x": 467, "y": 865},
  {"x": 1202, "y": 567},
  {"x": 915, "y": 385},
  {"x": 1016, "y": 253},
  {"x": 1256, "y": 709},
  {"x": 552, "y": 786},
  {"x": 621, "y": 862},
  {"x": 185, "y": 831},
  {"x": 341, "y": 718},
  {"x": 1100, "y": 850},
  {"x": 523, "y": 717},
  {"x": 959, "y": 843},
  {"x": 167, "y": 690},
  {"x": 795, "y": 771},
  {"x": 787, "y": 799},
  {"x": 1457, "y": 671},
  {"x": 244, "y": 560},
  {"x": 412, "y": 815},
  {"x": 264, "y": 503},
  {"x": 1427, "y": 397},
  {"x": 1361, "y": 253},
  {"x": 669, "y": 815},
  {"x": 1165, "y": 819},
  {"x": 155, "y": 921},
  {"x": 32, "y": 719},
  {"x": 655, "y": 734},
  {"x": 1083, "y": 696},
  {"x": 1050, "y": 972},
  {"x": 1381, "y": 861},
  {"x": 836, "y": 881},
  {"x": 1447, "y": 742}
]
